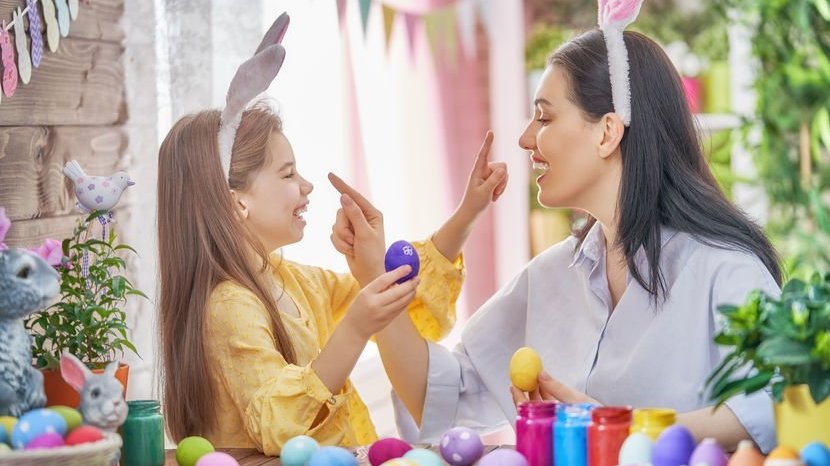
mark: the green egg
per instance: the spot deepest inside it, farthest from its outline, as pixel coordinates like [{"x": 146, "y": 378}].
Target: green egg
[
  {"x": 5, "y": 449},
  {"x": 71, "y": 416},
  {"x": 190, "y": 449}
]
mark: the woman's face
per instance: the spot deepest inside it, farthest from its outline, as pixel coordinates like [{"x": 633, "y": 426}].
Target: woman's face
[{"x": 567, "y": 150}]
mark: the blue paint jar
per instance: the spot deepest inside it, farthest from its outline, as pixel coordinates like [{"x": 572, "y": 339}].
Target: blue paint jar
[{"x": 570, "y": 434}]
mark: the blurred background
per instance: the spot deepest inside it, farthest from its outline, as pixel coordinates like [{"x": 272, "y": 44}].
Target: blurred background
[{"x": 396, "y": 96}]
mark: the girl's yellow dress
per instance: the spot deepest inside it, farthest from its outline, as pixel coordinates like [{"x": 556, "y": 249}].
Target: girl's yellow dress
[{"x": 261, "y": 401}]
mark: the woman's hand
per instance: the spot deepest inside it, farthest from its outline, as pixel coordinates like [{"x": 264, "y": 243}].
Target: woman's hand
[
  {"x": 553, "y": 390},
  {"x": 486, "y": 183}
]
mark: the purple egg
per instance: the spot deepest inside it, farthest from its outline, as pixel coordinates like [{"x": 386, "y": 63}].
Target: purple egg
[
  {"x": 217, "y": 458},
  {"x": 710, "y": 453},
  {"x": 47, "y": 440},
  {"x": 673, "y": 447},
  {"x": 402, "y": 253},
  {"x": 386, "y": 449},
  {"x": 503, "y": 457},
  {"x": 461, "y": 446}
]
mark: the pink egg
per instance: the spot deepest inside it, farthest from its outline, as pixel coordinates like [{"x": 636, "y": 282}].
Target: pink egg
[
  {"x": 47, "y": 440},
  {"x": 673, "y": 447},
  {"x": 503, "y": 457},
  {"x": 217, "y": 458},
  {"x": 709, "y": 453},
  {"x": 84, "y": 434},
  {"x": 386, "y": 449}
]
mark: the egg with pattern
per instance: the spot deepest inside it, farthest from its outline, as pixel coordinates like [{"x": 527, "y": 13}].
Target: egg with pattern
[
  {"x": 34, "y": 424},
  {"x": 461, "y": 446}
]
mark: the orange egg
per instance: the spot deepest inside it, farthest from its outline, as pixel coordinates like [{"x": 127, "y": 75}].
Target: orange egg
[
  {"x": 784, "y": 456},
  {"x": 746, "y": 455}
]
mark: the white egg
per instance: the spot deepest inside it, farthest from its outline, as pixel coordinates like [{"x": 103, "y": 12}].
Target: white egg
[{"x": 636, "y": 450}]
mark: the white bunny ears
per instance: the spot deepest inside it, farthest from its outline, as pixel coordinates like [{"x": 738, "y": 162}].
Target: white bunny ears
[
  {"x": 251, "y": 79},
  {"x": 613, "y": 17}
]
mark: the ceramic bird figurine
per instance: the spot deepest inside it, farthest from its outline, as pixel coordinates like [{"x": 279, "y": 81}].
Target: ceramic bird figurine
[{"x": 96, "y": 192}]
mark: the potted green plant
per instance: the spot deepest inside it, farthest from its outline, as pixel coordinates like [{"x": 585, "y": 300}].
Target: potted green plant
[
  {"x": 89, "y": 319},
  {"x": 782, "y": 343}
]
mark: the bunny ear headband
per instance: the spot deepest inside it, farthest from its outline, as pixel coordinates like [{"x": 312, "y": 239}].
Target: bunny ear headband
[
  {"x": 613, "y": 17},
  {"x": 251, "y": 79}
]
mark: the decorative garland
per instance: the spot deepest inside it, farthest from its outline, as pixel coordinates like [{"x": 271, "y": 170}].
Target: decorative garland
[{"x": 57, "y": 15}]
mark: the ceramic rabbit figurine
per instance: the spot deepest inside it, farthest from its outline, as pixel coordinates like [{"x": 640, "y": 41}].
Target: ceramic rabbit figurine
[
  {"x": 27, "y": 284},
  {"x": 102, "y": 395}
]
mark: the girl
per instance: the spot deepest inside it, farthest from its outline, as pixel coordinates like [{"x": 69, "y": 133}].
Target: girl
[
  {"x": 258, "y": 349},
  {"x": 624, "y": 311}
]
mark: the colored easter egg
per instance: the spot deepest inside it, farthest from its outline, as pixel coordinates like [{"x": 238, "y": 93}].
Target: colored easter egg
[
  {"x": 525, "y": 366},
  {"x": 8, "y": 423},
  {"x": 746, "y": 455},
  {"x": 191, "y": 449},
  {"x": 783, "y": 455},
  {"x": 386, "y": 449},
  {"x": 298, "y": 450},
  {"x": 34, "y": 424},
  {"x": 4, "y": 436},
  {"x": 72, "y": 417},
  {"x": 709, "y": 452},
  {"x": 217, "y": 458},
  {"x": 815, "y": 454},
  {"x": 636, "y": 449},
  {"x": 461, "y": 446},
  {"x": 673, "y": 447},
  {"x": 47, "y": 440},
  {"x": 400, "y": 462},
  {"x": 402, "y": 253},
  {"x": 84, "y": 434},
  {"x": 424, "y": 457},
  {"x": 503, "y": 457},
  {"x": 332, "y": 456}
]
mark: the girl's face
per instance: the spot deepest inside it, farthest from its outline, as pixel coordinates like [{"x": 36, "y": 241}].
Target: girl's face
[
  {"x": 274, "y": 203},
  {"x": 566, "y": 150}
]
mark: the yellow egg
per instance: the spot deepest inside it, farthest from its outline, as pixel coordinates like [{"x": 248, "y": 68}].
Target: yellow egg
[
  {"x": 525, "y": 366},
  {"x": 8, "y": 423}
]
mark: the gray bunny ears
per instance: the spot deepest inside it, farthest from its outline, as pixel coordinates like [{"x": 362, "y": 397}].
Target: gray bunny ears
[{"x": 251, "y": 79}]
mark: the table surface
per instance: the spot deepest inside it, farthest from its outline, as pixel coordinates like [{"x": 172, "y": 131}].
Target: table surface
[{"x": 251, "y": 457}]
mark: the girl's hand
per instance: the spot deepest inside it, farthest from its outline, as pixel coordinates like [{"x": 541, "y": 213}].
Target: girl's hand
[
  {"x": 380, "y": 302},
  {"x": 551, "y": 389},
  {"x": 487, "y": 181},
  {"x": 357, "y": 233}
]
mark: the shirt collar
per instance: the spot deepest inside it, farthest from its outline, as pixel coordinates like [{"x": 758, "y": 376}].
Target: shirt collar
[{"x": 593, "y": 247}]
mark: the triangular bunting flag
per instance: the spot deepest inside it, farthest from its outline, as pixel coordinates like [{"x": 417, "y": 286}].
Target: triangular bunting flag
[
  {"x": 365, "y": 7},
  {"x": 388, "y": 23},
  {"x": 431, "y": 21},
  {"x": 448, "y": 34},
  {"x": 410, "y": 21},
  {"x": 341, "y": 13},
  {"x": 486, "y": 14}
]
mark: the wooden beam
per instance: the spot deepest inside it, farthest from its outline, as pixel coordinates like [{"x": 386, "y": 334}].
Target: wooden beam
[
  {"x": 31, "y": 233},
  {"x": 99, "y": 20},
  {"x": 81, "y": 84},
  {"x": 32, "y": 184}
]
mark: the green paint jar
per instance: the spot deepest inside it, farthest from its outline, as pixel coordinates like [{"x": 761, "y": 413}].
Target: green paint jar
[{"x": 143, "y": 434}]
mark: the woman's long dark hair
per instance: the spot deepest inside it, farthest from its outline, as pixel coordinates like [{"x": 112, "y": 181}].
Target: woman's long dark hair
[{"x": 666, "y": 181}]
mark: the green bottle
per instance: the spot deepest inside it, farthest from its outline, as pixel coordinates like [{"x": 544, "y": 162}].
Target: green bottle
[{"x": 143, "y": 434}]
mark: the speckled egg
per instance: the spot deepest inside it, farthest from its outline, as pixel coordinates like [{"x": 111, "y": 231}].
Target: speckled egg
[
  {"x": 8, "y": 423},
  {"x": 636, "y": 449},
  {"x": 386, "y": 449},
  {"x": 783, "y": 455},
  {"x": 402, "y": 253},
  {"x": 217, "y": 458},
  {"x": 525, "y": 366},
  {"x": 84, "y": 434},
  {"x": 746, "y": 455},
  {"x": 71, "y": 416},
  {"x": 503, "y": 457},
  {"x": 191, "y": 449},
  {"x": 332, "y": 456},
  {"x": 298, "y": 450},
  {"x": 424, "y": 457},
  {"x": 815, "y": 454},
  {"x": 673, "y": 447},
  {"x": 461, "y": 446},
  {"x": 47, "y": 440},
  {"x": 34, "y": 424},
  {"x": 708, "y": 452}
]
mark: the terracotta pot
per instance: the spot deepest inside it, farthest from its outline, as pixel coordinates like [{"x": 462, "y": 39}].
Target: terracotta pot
[
  {"x": 59, "y": 392},
  {"x": 799, "y": 420}
]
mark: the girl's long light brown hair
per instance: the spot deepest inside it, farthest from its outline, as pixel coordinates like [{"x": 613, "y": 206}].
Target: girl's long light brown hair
[{"x": 202, "y": 242}]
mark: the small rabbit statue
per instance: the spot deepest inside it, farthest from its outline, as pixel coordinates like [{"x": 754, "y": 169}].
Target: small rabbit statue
[
  {"x": 27, "y": 284},
  {"x": 102, "y": 396}
]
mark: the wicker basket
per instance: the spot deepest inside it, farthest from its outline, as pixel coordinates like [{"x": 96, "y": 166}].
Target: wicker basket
[{"x": 100, "y": 453}]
